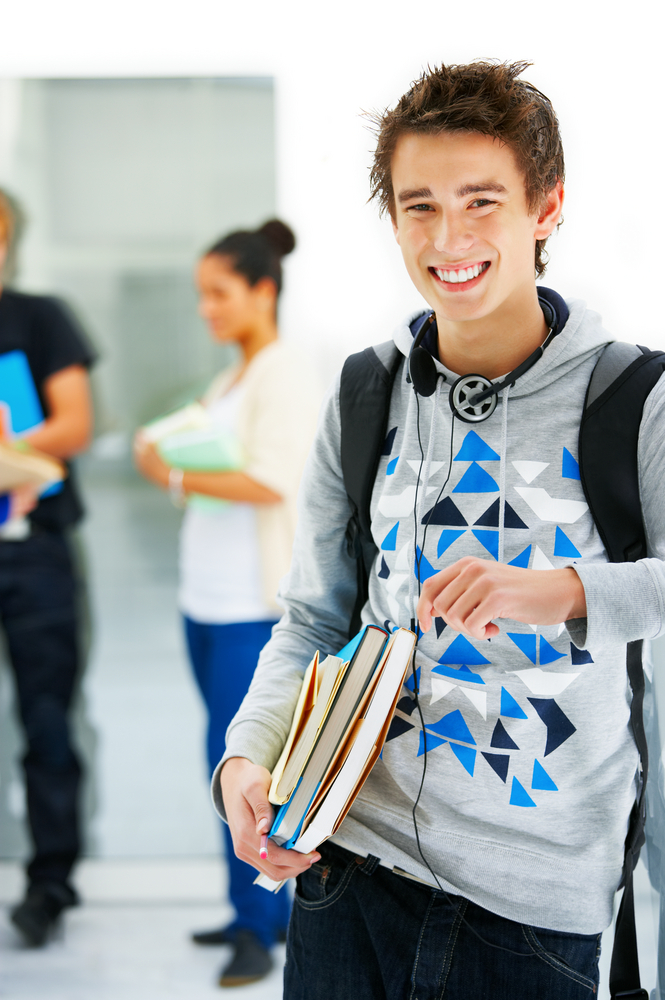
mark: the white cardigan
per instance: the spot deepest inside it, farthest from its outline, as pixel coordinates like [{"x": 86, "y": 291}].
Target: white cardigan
[{"x": 276, "y": 424}]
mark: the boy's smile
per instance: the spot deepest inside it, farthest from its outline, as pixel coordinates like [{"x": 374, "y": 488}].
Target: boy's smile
[{"x": 468, "y": 240}]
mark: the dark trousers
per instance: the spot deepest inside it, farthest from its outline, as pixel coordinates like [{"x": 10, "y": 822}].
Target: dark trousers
[
  {"x": 224, "y": 658},
  {"x": 359, "y": 931},
  {"x": 38, "y": 613}
]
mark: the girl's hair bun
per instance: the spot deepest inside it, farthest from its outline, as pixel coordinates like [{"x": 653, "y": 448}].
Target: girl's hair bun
[{"x": 280, "y": 236}]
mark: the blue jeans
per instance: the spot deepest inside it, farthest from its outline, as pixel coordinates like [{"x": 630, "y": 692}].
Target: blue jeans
[
  {"x": 359, "y": 931},
  {"x": 224, "y": 658}
]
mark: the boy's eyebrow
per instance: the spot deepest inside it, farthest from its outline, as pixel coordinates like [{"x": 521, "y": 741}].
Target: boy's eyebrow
[{"x": 461, "y": 192}]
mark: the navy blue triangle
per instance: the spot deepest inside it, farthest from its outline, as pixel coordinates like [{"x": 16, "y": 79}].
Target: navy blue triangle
[
  {"x": 579, "y": 656},
  {"x": 398, "y": 727},
  {"x": 501, "y": 739},
  {"x": 499, "y": 763},
  {"x": 406, "y": 704},
  {"x": 384, "y": 572},
  {"x": 490, "y": 519},
  {"x": 444, "y": 512},
  {"x": 389, "y": 442},
  {"x": 559, "y": 726},
  {"x": 439, "y": 625}
]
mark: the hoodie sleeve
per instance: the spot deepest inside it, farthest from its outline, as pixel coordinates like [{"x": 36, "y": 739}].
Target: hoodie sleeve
[
  {"x": 318, "y": 596},
  {"x": 626, "y": 601}
]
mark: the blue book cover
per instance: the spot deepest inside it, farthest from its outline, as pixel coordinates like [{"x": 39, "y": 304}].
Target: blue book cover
[{"x": 20, "y": 407}]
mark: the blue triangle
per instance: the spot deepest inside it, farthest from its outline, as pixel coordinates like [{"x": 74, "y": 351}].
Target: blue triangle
[
  {"x": 489, "y": 540},
  {"x": 384, "y": 572},
  {"x": 453, "y": 727},
  {"x": 541, "y": 779},
  {"x": 392, "y": 465},
  {"x": 579, "y": 656},
  {"x": 499, "y": 763},
  {"x": 390, "y": 440},
  {"x": 522, "y": 559},
  {"x": 409, "y": 683},
  {"x": 389, "y": 543},
  {"x": 526, "y": 642},
  {"x": 463, "y": 674},
  {"x": 422, "y": 567},
  {"x": 446, "y": 539},
  {"x": 465, "y": 755},
  {"x": 548, "y": 654},
  {"x": 474, "y": 449},
  {"x": 509, "y": 706},
  {"x": 569, "y": 467},
  {"x": 432, "y": 743},
  {"x": 563, "y": 545},
  {"x": 461, "y": 651},
  {"x": 519, "y": 796},
  {"x": 476, "y": 480}
]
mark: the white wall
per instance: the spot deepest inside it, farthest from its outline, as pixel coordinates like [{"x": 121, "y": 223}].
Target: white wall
[{"x": 345, "y": 286}]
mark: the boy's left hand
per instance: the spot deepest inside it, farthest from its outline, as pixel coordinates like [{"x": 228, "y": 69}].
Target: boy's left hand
[{"x": 472, "y": 592}]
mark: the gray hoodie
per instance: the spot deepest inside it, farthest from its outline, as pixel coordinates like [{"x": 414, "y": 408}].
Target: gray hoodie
[{"x": 531, "y": 764}]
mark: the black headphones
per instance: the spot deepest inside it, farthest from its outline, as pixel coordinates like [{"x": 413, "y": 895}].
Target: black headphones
[{"x": 472, "y": 398}]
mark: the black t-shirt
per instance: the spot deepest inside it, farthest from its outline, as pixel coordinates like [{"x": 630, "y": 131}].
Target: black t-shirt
[{"x": 51, "y": 339}]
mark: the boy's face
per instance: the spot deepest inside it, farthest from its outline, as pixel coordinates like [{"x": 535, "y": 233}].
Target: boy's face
[{"x": 463, "y": 225}]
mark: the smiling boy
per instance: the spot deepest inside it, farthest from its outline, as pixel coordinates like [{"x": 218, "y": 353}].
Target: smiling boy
[{"x": 483, "y": 853}]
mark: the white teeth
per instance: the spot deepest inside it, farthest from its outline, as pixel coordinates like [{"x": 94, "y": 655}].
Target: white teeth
[
  {"x": 469, "y": 273},
  {"x": 451, "y": 276},
  {"x": 464, "y": 274}
]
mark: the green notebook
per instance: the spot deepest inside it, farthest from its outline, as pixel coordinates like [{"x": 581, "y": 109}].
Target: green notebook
[{"x": 203, "y": 450}]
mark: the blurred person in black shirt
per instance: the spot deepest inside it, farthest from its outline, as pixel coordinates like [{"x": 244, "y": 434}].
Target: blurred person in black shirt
[{"x": 38, "y": 587}]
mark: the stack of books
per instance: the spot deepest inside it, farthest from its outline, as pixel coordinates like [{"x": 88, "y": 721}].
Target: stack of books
[
  {"x": 340, "y": 724},
  {"x": 21, "y": 465}
]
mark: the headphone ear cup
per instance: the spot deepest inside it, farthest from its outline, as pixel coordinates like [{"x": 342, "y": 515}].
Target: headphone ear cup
[{"x": 423, "y": 372}]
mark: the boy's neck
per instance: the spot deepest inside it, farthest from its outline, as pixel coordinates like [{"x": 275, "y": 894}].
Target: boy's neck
[{"x": 496, "y": 344}]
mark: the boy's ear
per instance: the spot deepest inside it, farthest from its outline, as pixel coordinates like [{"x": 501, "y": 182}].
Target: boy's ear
[{"x": 549, "y": 214}]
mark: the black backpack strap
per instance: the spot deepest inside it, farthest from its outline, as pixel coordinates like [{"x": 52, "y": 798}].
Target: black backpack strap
[
  {"x": 364, "y": 397},
  {"x": 619, "y": 386}
]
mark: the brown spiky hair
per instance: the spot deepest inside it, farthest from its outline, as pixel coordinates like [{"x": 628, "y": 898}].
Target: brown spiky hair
[{"x": 482, "y": 97}]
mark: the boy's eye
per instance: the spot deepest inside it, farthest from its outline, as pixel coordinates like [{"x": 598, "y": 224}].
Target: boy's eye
[
  {"x": 481, "y": 202},
  {"x": 420, "y": 208}
]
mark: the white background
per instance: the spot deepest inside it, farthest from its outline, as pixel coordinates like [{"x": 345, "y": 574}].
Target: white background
[{"x": 600, "y": 64}]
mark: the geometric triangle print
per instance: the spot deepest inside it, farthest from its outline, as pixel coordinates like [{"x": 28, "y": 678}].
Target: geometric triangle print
[
  {"x": 499, "y": 763},
  {"x": 522, "y": 559},
  {"x": 411, "y": 681},
  {"x": 490, "y": 519},
  {"x": 529, "y": 470},
  {"x": 384, "y": 572},
  {"x": 563, "y": 545},
  {"x": 476, "y": 480},
  {"x": 541, "y": 779},
  {"x": 527, "y": 643},
  {"x": 474, "y": 449},
  {"x": 548, "y": 654},
  {"x": 407, "y": 705},
  {"x": 579, "y": 656},
  {"x": 490, "y": 541},
  {"x": 389, "y": 543},
  {"x": 465, "y": 755},
  {"x": 398, "y": 727},
  {"x": 569, "y": 467},
  {"x": 430, "y": 742},
  {"x": 446, "y": 539},
  {"x": 461, "y": 651},
  {"x": 519, "y": 796},
  {"x": 445, "y": 512},
  {"x": 453, "y": 726},
  {"x": 509, "y": 706},
  {"x": 388, "y": 443},
  {"x": 478, "y": 699},
  {"x": 440, "y": 689},
  {"x": 500, "y": 738},
  {"x": 459, "y": 674},
  {"x": 422, "y": 568},
  {"x": 392, "y": 465},
  {"x": 439, "y": 625},
  {"x": 559, "y": 726}
]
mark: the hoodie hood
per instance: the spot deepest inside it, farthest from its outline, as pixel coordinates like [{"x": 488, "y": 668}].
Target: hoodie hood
[{"x": 581, "y": 337}]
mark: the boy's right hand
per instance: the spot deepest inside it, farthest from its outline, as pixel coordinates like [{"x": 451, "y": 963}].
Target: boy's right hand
[{"x": 245, "y": 789}]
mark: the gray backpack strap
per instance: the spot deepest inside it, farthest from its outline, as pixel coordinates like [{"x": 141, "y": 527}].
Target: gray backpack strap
[{"x": 613, "y": 361}]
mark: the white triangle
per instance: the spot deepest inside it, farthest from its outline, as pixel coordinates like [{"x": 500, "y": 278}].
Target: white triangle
[
  {"x": 560, "y": 629},
  {"x": 394, "y": 582},
  {"x": 440, "y": 689},
  {"x": 529, "y": 470},
  {"x": 543, "y": 682},
  {"x": 478, "y": 699},
  {"x": 549, "y": 508},
  {"x": 540, "y": 560},
  {"x": 415, "y": 465}
]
